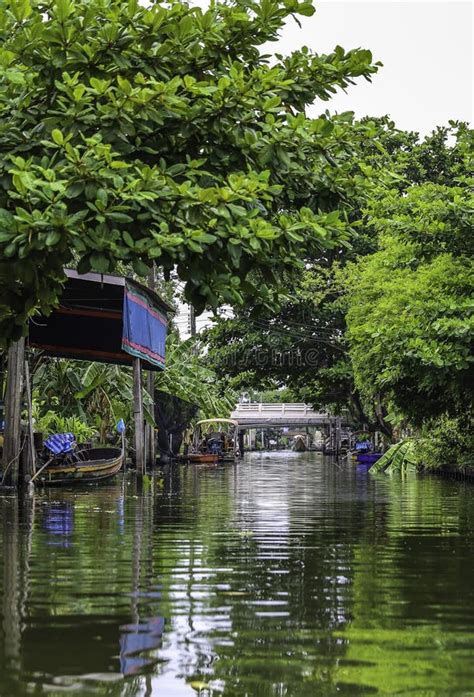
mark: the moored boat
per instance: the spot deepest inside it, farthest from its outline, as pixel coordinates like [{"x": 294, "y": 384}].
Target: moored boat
[
  {"x": 84, "y": 467},
  {"x": 202, "y": 458},
  {"x": 367, "y": 458},
  {"x": 299, "y": 443},
  {"x": 217, "y": 439}
]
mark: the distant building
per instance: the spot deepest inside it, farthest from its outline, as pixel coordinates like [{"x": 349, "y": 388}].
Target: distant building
[{"x": 182, "y": 319}]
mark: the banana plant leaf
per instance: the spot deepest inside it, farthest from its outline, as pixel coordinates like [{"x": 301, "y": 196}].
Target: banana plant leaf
[{"x": 399, "y": 456}]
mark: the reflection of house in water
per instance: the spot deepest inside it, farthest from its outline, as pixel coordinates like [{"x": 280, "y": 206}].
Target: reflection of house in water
[
  {"x": 78, "y": 622},
  {"x": 137, "y": 639},
  {"x": 58, "y": 522}
]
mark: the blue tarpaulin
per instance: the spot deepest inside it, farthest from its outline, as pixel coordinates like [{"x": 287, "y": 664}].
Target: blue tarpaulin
[
  {"x": 144, "y": 327},
  {"x": 60, "y": 443}
]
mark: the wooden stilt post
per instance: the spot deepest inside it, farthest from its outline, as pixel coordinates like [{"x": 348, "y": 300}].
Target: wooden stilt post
[
  {"x": 150, "y": 444},
  {"x": 241, "y": 443},
  {"x": 13, "y": 394},
  {"x": 150, "y": 431},
  {"x": 138, "y": 414},
  {"x": 192, "y": 321},
  {"x": 29, "y": 461},
  {"x": 338, "y": 435}
]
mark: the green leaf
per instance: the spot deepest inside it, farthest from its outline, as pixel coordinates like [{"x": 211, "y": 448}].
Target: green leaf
[
  {"x": 271, "y": 103},
  {"x": 306, "y": 9},
  {"x": 102, "y": 196},
  {"x": 53, "y": 238},
  {"x": 99, "y": 263},
  {"x": 235, "y": 254},
  {"x": 63, "y": 9},
  {"x": 124, "y": 85},
  {"x": 140, "y": 268},
  {"x": 119, "y": 217},
  {"x": 57, "y": 136},
  {"x": 128, "y": 239},
  {"x": 75, "y": 189},
  {"x": 21, "y": 9}
]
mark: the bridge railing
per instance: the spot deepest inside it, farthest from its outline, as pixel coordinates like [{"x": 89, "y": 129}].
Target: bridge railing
[{"x": 276, "y": 409}]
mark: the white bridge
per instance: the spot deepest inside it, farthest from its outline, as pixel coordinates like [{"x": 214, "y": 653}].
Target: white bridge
[{"x": 264, "y": 415}]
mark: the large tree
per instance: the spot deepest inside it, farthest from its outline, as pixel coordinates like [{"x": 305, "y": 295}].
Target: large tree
[
  {"x": 306, "y": 345},
  {"x": 409, "y": 317},
  {"x": 162, "y": 134}
]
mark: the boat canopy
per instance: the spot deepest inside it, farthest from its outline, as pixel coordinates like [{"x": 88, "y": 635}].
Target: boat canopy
[
  {"x": 104, "y": 318},
  {"x": 217, "y": 421}
]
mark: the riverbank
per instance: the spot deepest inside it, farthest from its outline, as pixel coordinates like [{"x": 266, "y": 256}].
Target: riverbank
[{"x": 452, "y": 472}]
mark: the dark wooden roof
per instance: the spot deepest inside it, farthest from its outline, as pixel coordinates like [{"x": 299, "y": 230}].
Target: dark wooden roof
[{"x": 87, "y": 324}]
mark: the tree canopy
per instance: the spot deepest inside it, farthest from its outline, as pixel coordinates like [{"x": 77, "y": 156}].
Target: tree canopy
[
  {"x": 407, "y": 291},
  {"x": 410, "y": 304},
  {"x": 163, "y": 134}
]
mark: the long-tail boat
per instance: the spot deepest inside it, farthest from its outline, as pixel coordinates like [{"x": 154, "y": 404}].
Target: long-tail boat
[
  {"x": 300, "y": 443},
  {"x": 203, "y": 458},
  {"x": 84, "y": 467},
  {"x": 214, "y": 440},
  {"x": 65, "y": 463}
]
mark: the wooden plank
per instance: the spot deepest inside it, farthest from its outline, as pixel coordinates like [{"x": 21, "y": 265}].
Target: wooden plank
[
  {"x": 138, "y": 415},
  {"x": 13, "y": 394}
]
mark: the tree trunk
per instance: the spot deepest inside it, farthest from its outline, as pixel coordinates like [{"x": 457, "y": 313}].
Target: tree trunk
[{"x": 381, "y": 413}]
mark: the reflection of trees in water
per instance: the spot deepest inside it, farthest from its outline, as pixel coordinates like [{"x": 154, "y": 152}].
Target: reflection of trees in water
[
  {"x": 256, "y": 580},
  {"x": 185, "y": 526},
  {"x": 413, "y": 592},
  {"x": 277, "y": 579},
  {"x": 89, "y": 567},
  {"x": 10, "y": 643},
  {"x": 296, "y": 589}
]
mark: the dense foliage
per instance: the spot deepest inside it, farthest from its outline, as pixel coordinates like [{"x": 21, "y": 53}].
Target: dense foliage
[
  {"x": 404, "y": 287},
  {"x": 136, "y": 134},
  {"x": 88, "y": 398},
  {"x": 410, "y": 304},
  {"x": 304, "y": 344}
]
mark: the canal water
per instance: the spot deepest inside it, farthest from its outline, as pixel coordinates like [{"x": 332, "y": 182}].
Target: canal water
[{"x": 286, "y": 575}]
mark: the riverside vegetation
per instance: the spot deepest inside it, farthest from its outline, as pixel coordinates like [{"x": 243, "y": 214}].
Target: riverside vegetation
[{"x": 135, "y": 136}]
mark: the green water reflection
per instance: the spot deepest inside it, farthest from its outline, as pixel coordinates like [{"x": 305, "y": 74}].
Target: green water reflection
[{"x": 284, "y": 576}]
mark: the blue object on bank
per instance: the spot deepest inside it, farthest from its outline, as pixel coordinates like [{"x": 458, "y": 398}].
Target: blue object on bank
[
  {"x": 60, "y": 443},
  {"x": 368, "y": 458},
  {"x": 363, "y": 445},
  {"x": 120, "y": 426}
]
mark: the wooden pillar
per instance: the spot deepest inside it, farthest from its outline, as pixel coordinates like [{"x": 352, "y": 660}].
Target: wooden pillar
[
  {"x": 150, "y": 442},
  {"x": 241, "y": 443},
  {"x": 338, "y": 435},
  {"x": 13, "y": 394},
  {"x": 149, "y": 430},
  {"x": 192, "y": 321},
  {"x": 329, "y": 438},
  {"x": 29, "y": 454},
  {"x": 138, "y": 415}
]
